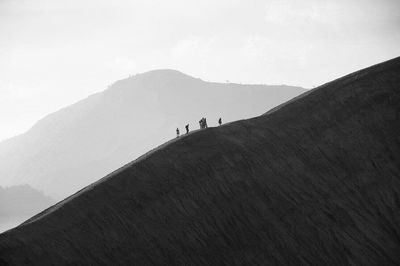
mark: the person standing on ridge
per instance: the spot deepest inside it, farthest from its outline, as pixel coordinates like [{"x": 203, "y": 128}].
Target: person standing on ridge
[
  {"x": 201, "y": 123},
  {"x": 220, "y": 121},
  {"x": 187, "y": 128},
  {"x": 177, "y": 132}
]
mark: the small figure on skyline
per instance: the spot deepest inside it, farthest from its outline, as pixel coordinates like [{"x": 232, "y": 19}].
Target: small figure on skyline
[
  {"x": 220, "y": 121},
  {"x": 187, "y": 128},
  {"x": 177, "y": 132},
  {"x": 203, "y": 123}
]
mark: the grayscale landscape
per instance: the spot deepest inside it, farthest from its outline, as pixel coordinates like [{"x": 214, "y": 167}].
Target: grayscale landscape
[
  {"x": 186, "y": 132},
  {"x": 71, "y": 148},
  {"x": 314, "y": 178}
]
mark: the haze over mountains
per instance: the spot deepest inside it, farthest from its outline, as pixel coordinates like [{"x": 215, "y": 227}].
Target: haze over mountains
[
  {"x": 314, "y": 181},
  {"x": 18, "y": 203},
  {"x": 75, "y": 146}
]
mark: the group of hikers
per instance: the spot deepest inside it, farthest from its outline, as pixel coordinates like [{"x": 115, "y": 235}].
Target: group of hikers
[{"x": 202, "y": 123}]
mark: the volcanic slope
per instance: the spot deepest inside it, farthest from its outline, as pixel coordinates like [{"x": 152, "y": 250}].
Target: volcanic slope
[
  {"x": 71, "y": 148},
  {"x": 315, "y": 181}
]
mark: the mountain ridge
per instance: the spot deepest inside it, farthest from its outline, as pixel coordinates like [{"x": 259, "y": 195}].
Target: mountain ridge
[
  {"x": 142, "y": 111},
  {"x": 315, "y": 182}
]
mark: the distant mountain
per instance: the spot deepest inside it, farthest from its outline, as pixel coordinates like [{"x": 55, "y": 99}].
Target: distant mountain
[
  {"x": 75, "y": 146},
  {"x": 315, "y": 181},
  {"x": 18, "y": 203}
]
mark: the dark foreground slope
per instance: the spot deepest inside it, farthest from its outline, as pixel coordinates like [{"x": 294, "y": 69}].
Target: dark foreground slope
[
  {"x": 316, "y": 181},
  {"x": 73, "y": 147}
]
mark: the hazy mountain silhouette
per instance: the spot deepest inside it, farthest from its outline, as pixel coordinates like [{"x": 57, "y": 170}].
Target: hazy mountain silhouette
[
  {"x": 18, "y": 203},
  {"x": 73, "y": 147},
  {"x": 314, "y": 181}
]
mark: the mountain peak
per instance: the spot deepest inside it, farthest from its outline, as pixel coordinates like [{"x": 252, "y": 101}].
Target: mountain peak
[
  {"x": 163, "y": 74},
  {"x": 154, "y": 78}
]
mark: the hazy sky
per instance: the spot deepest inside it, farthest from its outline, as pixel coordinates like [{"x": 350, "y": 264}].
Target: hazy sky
[{"x": 55, "y": 52}]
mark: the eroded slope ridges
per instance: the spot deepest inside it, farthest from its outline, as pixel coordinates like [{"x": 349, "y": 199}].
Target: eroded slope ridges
[{"x": 316, "y": 182}]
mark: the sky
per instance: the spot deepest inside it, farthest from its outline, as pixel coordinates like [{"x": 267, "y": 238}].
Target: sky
[{"x": 56, "y": 52}]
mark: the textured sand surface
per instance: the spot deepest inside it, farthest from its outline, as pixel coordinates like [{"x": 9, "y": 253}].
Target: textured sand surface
[{"x": 317, "y": 181}]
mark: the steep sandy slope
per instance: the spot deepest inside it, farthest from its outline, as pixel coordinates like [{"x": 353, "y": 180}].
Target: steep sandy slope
[
  {"x": 316, "y": 181},
  {"x": 73, "y": 147}
]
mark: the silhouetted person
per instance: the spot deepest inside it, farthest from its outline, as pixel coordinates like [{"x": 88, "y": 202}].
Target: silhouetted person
[
  {"x": 205, "y": 123},
  {"x": 187, "y": 128},
  {"x": 220, "y": 121},
  {"x": 201, "y": 122},
  {"x": 177, "y": 132}
]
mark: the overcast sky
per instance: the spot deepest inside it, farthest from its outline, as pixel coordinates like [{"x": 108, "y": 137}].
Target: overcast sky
[{"x": 55, "y": 52}]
